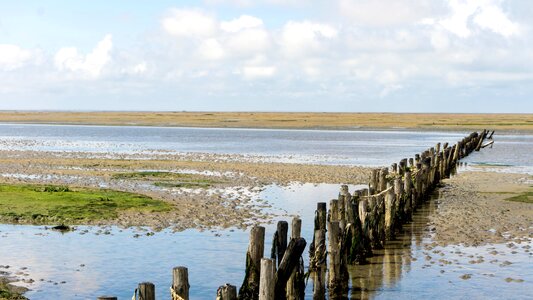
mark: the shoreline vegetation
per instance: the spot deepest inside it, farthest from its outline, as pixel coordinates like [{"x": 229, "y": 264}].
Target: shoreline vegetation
[
  {"x": 51, "y": 204},
  {"x": 204, "y": 191},
  {"x": 279, "y": 120},
  {"x": 9, "y": 291}
]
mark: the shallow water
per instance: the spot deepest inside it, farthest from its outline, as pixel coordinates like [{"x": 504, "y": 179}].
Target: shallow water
[
  {"x": 114, "y": 263},
  {"x": 307, "y": 146}
]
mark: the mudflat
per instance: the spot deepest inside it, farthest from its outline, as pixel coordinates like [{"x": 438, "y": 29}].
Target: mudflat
[
  {"x": 478, "y": 208},
  {"x": 294, "y": 120},
  {"x": 203, "y": 190}
]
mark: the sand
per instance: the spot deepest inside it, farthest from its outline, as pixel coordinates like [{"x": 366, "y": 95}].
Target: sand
[
  {"x": 472, "y": 209},
  {"x": 231, "y": 200}
]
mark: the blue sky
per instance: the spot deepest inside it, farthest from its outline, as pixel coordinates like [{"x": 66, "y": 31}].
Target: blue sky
[{"x": 267, "y": 55}]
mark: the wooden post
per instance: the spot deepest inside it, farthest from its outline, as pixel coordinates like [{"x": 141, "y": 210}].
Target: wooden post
[
  {"x": 407, "y": 189},
  {"x": 296, "y": 283},
  {"x": 374, "y": 179},
  {"x": 334, "y": 280},
  {"x": 296, "y": 228},
  {"x": 227, "y": 292},
  {"x": 383, "y": 179},
  {"x": 389, "y": 214},
  {"x": 146, "y": 291},
  {"x": 334, "y": 210},
  {"x": 320, "y": 223},
  {"x": 394, "y": 168},
  {"x": 279, "y": 242},
  {"x": 180, "y": 283},
  {"x": 268, "y": 279},
  {"x": 319, "y": 286},
  {"x": 106, "y": 298},
  {"x": 290, "y": 261},
  {"x": 319, "y": 257},
  {"x": 256, "y": 249},
  {"x": 403, "y": 166},
  {"x": 480, "y": 142},
  {"x": 398, "y": 202}
]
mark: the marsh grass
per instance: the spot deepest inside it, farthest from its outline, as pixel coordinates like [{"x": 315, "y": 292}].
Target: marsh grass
[
  {"x": 37, "y": 204},
  {"x": 526, "y": 197},
  {"x": 169, "y": 179},
  {"x": 522, "y": 122},
  {"x": 9, "y": 292}
]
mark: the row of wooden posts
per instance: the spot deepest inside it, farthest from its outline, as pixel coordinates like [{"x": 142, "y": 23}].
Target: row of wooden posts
[{"x": 355, "y": 225}]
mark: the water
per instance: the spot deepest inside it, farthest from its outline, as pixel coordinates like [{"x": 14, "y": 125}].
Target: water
[
  {"x": 309, "y": 146},
  {"x": 114, "y": 263}
]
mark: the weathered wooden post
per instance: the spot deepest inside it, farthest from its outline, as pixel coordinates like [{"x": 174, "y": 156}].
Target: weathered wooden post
[
  {"x": 227, "y": 292},
  {"x": 106, "y": 298},
  {"x": 290, "y": 261},
  {"x": 296, "y": 228},
  {"x": 318, "y": 265},
  {"x": 389, "y": 214},
  {"x": 256, "y": 249},
  {"x": 268, "y": 279},
  {"x": 180, "y": 284},
  {"x": 320, "y": 223},
  {"x": 398, "y": 202},
  {"x": 334, "y": 273},
  {"x": 481, "y": 137},
  {"x": 296, "y": 283},
  {"x": 279, "y": 242},
  {"x": 374, "y": 179},
  {"x": 407, "y": 188},
  {"x": 383, "y": 179},
  {"x": 334, "y": 210},
  {"x": 146, "y": 291}
]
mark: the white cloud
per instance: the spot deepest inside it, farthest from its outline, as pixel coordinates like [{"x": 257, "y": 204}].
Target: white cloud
[
  {"x": 486, "y": 14},
  {"x": 69, "y": 59},
  {"x": 493, "y": 18},
  {"x": 211, "y": 49},
  {"x": 243, "y": 22},
  {"x": 249, "y": 41},
  {"x": 306, "y": 37},
  {"x": 189, "y": 23},
  {"x": 13, "y": 57},
  {"x": 255, "y": 72},
  {"x": 385, "y": 12}
]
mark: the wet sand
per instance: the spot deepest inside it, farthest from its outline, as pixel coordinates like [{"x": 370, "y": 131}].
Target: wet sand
[
  {"x": 472, "y": 209},
  {"x": 229, "y": 201}
]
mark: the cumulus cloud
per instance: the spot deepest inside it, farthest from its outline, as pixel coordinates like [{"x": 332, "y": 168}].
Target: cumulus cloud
[
  {"x": 381, "y": 48},
  {"x": 189, "y": 23},
  {"x": 91, "y": 65},
  {"x": 240, "y": 23},
  {"x": 306, "y": 37},
  {"x": 386, "y": 12},
  {"x": 467, "y": 15},
  {"x": 13, "y": 57}
]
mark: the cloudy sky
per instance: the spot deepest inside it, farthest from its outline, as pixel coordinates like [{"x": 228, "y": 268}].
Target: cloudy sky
[{"x": 267, "y": 55}]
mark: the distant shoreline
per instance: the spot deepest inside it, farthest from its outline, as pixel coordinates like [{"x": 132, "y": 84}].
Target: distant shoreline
[{"x": 285, "y": 120}]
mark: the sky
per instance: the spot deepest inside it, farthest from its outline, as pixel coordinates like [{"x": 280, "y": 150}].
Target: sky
[{"x": 267, "y": 55}]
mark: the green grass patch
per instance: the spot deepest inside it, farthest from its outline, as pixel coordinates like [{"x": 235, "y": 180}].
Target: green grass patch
[
  {"x": 526, "y": 197},
  {"x": 9, "y": 292},
  {"x": 38, "y": 204},
  {"x": 169, "y": 179}
]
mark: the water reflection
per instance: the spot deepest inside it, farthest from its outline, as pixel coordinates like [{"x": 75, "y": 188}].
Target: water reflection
[{"x": 385, "y": 268}]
